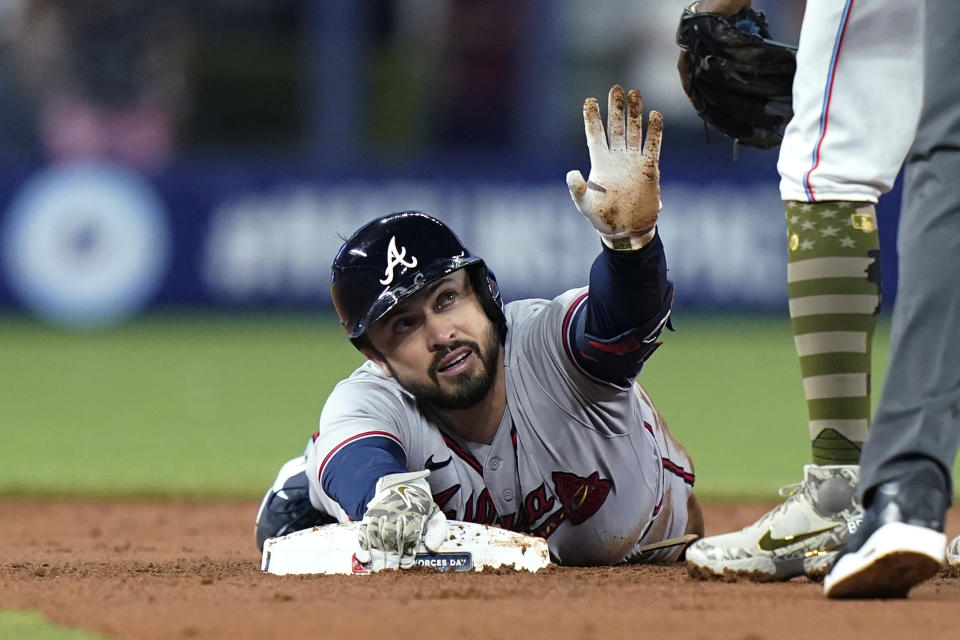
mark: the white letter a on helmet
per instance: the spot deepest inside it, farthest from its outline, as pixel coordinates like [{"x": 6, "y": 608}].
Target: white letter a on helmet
[{"x": 394, "y": 259}]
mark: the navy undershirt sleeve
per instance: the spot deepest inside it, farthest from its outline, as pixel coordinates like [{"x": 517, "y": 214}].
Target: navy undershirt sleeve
[
  {"x": 627, "y": 307},
  {"x": 350, "y": 477}
]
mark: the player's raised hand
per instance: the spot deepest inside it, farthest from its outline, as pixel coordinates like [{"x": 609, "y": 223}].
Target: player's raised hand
[
  {"x": 621, "y": 198},
  {"x": 401, "y": 519}
]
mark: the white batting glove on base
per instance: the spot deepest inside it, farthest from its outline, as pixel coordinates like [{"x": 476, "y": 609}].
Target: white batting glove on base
[
  {"x": 621, "y": 198},
  {"x": 400, "y": 520}
]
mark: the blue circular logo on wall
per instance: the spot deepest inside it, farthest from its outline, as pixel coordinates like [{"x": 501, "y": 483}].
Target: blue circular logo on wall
[{"x": 86, "y": 245}]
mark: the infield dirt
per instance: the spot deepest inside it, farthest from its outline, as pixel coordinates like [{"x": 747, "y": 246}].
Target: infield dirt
[{"x": 164, "y": 570}]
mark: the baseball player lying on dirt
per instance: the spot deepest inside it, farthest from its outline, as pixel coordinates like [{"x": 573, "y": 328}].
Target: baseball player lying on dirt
[{"x": 523, "y": 415}]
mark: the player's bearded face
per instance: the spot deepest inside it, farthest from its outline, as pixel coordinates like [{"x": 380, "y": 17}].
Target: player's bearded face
[
  {"x": 463, "y": 390},
  {"x": 440, "y": 345}
]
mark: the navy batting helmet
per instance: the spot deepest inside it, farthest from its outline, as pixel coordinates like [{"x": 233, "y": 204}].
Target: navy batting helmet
[{"x": 393, "y": 257}]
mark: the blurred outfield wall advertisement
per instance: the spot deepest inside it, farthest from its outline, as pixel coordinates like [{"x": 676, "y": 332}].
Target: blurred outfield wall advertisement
[
  {"x": 161, "y": 156},
  {"x": 88, "y": 245}
]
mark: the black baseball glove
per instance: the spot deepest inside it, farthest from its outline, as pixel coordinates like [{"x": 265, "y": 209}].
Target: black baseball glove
[{"x": 738, "y": 79}]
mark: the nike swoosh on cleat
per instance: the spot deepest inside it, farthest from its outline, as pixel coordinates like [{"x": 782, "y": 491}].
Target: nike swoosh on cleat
[
  {"x": 430, "y": 465},
  {"x": 769, "y": 543}
]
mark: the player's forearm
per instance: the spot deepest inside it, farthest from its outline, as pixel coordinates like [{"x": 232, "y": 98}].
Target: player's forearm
[
  {"x": 628, "y": 306},
  {"x": 628, "y": 289},
  {"x": 350, "y": 476}
]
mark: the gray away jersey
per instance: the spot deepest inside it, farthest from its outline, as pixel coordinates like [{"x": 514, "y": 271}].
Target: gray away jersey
[{"x": 576, "y": 460}]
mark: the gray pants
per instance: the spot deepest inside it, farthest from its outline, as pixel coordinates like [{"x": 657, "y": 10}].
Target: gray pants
[{"x": 919, "y": 410}]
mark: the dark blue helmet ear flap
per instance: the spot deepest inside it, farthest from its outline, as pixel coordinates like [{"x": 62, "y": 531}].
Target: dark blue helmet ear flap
[
  {"x": 493, "y": 289},
  {"x": 393, "y": 257},
  {"x": 485, "y": 285}
]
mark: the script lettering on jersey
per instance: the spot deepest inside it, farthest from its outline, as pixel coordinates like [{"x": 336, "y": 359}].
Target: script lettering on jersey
[
  {"x": 395, "y": 259},
  {"x": 443, "y": 497},
  {"x": 580, "y": 498},
  {"x": 535, "y": 505},
  {"x": 486, "y": 511}
]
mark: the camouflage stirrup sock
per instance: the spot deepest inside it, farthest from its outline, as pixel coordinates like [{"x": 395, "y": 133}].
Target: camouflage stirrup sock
[{"x": 833, "y": 282}]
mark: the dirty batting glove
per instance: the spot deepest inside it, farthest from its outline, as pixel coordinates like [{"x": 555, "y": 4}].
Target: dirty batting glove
[
  {"x": 621, "y": 198},
  {"x": 400, "y": 520}
]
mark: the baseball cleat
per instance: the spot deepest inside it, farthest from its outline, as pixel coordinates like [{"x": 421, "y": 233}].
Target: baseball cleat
[
  {"x": 286, "y": 506},
  {"x": 953, "y": 553},
  {"x": 799, "y": 537},
  {"x": 900, "y": 543}
]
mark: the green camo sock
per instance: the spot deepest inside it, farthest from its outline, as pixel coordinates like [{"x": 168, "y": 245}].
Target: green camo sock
[{"x": 833, "y": 282}]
